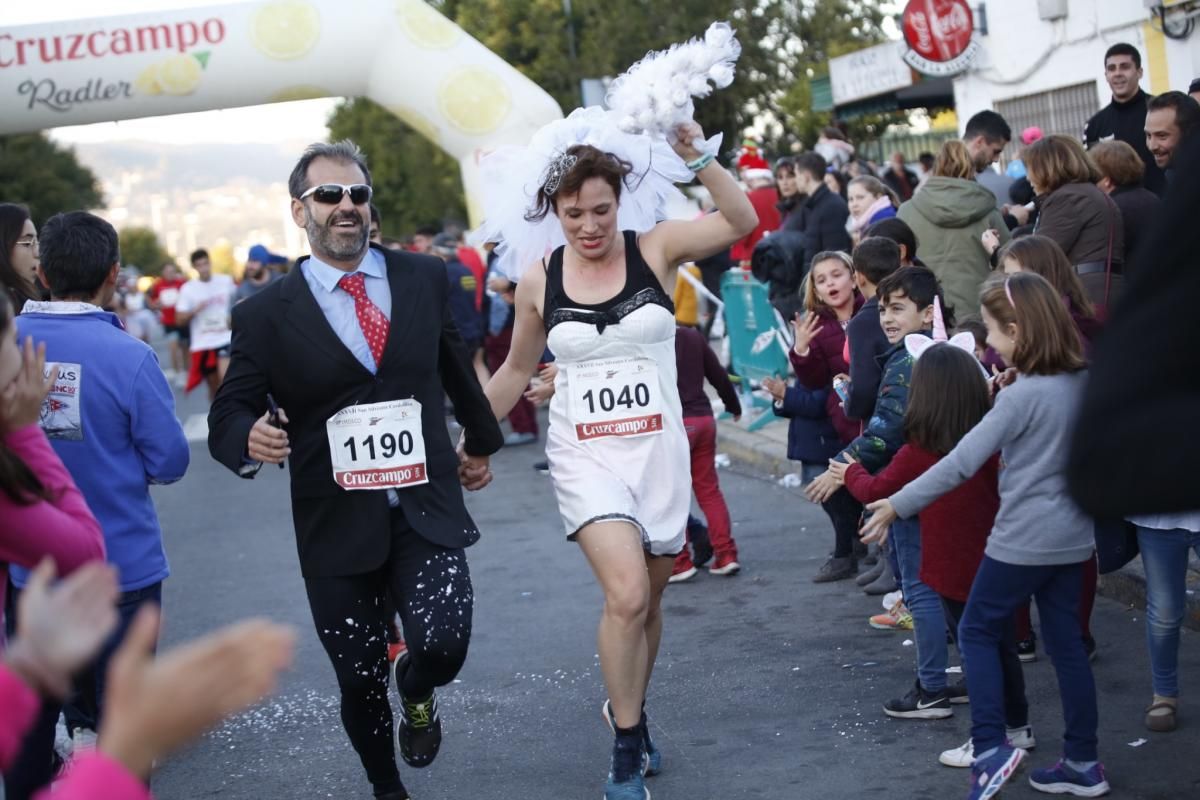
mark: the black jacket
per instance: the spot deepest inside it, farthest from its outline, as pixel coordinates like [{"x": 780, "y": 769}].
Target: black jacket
[
  {"x": 1145, "y": 373},
  {"x": 283, "y": 344},
  {"x": 824, "y": 216},
  {"x": 1126, "y": 122},
  {"x": 1140, "y": 209},
  {"x": 867, "y": 343}
]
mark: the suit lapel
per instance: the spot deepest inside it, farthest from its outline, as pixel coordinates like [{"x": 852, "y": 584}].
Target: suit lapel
[
  {"x": 407, "y": 296},
  {"x": 307, "y": 318}
]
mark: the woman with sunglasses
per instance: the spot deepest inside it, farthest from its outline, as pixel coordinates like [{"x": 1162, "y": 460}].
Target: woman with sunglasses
[
  {"x": 616, "y": 445},
  {"x": 18, "y": 255}
]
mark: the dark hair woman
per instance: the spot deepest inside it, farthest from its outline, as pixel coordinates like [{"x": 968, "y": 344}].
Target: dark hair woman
[{"x": 18, "y": 255}]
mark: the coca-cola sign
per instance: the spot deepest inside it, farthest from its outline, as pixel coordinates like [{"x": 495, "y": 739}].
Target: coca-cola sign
[{"x": 939, "y": 36}]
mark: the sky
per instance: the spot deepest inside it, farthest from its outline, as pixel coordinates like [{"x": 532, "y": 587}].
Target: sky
[{"x": 272, "y": 124}]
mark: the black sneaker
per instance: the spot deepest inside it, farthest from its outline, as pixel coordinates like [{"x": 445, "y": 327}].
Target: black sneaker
[
  {"x": 1089, "y": 646},
  {"x": 1027, "y": 650},
  {"x": 957, "y": 692},
  {"x": 419, "y": 729},
  {"x": 542, "y": 467},
  {"x": 919, "y": 704},
  {"x": 702, "y": 549}
]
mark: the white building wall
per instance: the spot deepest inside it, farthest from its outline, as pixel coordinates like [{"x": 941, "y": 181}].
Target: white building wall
[{"x": 1023, "y": 54}]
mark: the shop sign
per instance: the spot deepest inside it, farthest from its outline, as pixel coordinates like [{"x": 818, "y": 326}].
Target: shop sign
[{"x": 939, "y": 36}]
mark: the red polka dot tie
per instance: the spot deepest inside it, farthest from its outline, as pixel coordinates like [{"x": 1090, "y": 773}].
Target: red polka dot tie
[{"x": 371, "y": 320}]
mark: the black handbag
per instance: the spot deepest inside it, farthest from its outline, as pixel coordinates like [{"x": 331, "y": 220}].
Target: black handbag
[{"x": 1116, "y": 544}]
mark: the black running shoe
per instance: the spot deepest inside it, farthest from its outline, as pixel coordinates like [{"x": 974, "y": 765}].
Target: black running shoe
[
  {"x": 957, "y": 692},
  {"x": 919, "y": 704},
  {"x": 702, "y": 549},
  {"x": 419, "y": 729},
  {"x": 1027, "y": 650}
]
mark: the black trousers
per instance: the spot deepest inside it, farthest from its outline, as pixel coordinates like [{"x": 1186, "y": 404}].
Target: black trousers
[
  {"x": 1016, "y": 707},
  {"x": 431, "y": 587},
  {"x": 844, "y": 512}
]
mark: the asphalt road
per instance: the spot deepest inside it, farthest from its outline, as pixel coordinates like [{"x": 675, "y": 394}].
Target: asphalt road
[{"x": 767, "y": 686}]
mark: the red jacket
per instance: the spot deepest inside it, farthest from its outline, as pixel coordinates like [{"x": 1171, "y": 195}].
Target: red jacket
[
  {"x": 826, "y": 358},
  {"x": 954, "y": 528},
  {"x": 763, "y": 199}
]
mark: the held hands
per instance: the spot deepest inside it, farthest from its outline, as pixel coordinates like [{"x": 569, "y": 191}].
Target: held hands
[
  {"x": 474, "y": 472},
  {"x": 804, "y": 327},
  {"x": 60, "y": 628},
  {"x": 684, "y": 139},
  {"x": 822, "y": 487},
  {"x": 882, "y": 515},
  {"x": 267, "y": 443},
  {"x": 154, "y": 706},
  {"x": 21, "y": 400}
]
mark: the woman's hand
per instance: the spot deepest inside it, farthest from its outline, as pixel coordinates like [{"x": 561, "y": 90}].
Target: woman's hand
[
  {"x": 21, "y": 401},
  {"x": 541, "y": 394},
  {"x": 685, "y": 138},
  {"x": 990, "y": 239},
  {"x": 822, "y": 487},
  {"x": 804, "y": 327},
  {"x": 876, "y": 527}
]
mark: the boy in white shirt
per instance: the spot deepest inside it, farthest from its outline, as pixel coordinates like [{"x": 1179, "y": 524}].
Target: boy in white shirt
[{"x": 204, "y": 305}]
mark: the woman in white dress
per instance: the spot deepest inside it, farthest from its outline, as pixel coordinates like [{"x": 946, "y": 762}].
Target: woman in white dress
[{"x": 617, "y": 448}]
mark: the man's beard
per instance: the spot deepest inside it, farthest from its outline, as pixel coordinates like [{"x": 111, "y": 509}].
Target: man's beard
[{"x": 324, "y": 241}]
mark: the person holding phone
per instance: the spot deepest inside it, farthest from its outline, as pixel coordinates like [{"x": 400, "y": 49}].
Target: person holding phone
[{"x": 358, "y": 347}]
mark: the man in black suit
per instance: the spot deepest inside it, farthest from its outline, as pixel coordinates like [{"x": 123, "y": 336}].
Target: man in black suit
[{"x": 356, "y": 344}]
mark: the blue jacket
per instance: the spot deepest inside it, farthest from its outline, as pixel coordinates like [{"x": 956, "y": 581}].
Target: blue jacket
[
  {"x": 111, "y": 419},
  {"x": 811, "y": 436},
  {"x": 884, "y": 432},
  {"x": 466, "y": 316}
]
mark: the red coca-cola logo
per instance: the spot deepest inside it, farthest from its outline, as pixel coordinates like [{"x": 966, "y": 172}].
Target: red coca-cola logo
[{"x": 938, "y": 30}]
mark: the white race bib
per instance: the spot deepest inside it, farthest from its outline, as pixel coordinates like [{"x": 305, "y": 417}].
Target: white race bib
[
  {"x": 615, "y": 397},
  {"x": 378, "y": 446}
]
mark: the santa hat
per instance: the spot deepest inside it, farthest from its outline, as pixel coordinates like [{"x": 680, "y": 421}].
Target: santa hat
[{"x": 750, "y": 158}]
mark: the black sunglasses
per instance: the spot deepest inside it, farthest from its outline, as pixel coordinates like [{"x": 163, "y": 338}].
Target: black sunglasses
[{"x": 331, "y": 194}]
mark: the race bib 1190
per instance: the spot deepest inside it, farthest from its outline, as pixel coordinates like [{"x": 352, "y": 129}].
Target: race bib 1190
[{"x": 378, "y": 446}]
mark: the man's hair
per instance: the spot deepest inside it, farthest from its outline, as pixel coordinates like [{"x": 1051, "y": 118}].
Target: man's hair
[
  {"x": 1124, "y": 49},
  {"x": 898, "y": 231},
  {"x": 927, "y": 160},
  {"x": 78, "y": 251},
  {"x": 344, "y": 152},
  {"x": 1118, "y": 162},
  {"x": 198, "y": 255},
  {"x": 590, "y": 162},
  {"x": 990, "y": 125},
  {"x": 812, "y": 163},
  {"x": 375, "y": 215},
  {"x": 918, "y": 284},
  {"x": 427, "y": 230},
  {"x": 1187, "y": 110},
  {"x": 876, "y": 257}
]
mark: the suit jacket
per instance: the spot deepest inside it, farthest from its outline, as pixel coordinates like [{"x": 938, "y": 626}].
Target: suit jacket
[{"x": 283, "y": 344}]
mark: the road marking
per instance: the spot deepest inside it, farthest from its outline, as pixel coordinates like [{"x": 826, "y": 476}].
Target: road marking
[{"x": 196, "y": 428}]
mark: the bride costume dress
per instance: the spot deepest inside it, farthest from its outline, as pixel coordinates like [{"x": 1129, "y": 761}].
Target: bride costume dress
[{"x": 616, "y": 444}]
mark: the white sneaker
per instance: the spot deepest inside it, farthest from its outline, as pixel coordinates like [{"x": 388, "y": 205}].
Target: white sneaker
[
  {"x": 891, "y": 598},
  {"x": 964, "y": 756}
]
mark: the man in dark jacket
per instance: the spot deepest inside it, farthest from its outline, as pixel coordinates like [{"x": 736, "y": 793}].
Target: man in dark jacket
[
  {"x": 824, "y": 214},
  {"x": 1123, "y": 119},
  {"x": 875, "y": 258}
]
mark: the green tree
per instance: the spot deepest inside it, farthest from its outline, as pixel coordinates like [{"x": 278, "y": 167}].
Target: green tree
[
  {"x": 140, "y": 248},
  {"x": 44, "y": 176},
  {"x": 415, "y": 182}
]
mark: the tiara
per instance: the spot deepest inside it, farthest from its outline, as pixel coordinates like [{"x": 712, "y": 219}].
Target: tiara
[{"x": 558, "y": 167}]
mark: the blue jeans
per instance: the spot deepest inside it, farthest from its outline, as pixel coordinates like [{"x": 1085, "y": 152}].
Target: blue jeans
[
  {"x": 998, "y": 590},
  {"x": 929, "y": 620},
  {"x": 1165, "y": 559}
]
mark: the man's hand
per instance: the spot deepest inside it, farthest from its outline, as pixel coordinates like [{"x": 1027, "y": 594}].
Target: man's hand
[
  {"x": 540, "y": 394},
  {"x": 474, "y": 472},
  {"x": 267, "y": 443},
  {"x": 822, "y": 487}
]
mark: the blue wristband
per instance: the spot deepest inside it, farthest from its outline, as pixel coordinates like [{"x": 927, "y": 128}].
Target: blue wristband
[{"x": 700, "y": 163}]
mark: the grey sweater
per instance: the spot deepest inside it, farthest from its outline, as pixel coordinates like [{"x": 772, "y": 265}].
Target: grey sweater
[{"x": 1030, "y": 425}]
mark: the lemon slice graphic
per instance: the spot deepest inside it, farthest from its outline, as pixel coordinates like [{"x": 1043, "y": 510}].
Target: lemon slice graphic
[
  {"x": 474, "y": 100},
  {"x": 417, "y": 121},
  {"x": 426, "y": 27},
  {"x": 285, "y": 29},
  {"x": 304, "y": 92},
  {"x": 179, "y": 74},
  {"x": 147, "y": 81}
]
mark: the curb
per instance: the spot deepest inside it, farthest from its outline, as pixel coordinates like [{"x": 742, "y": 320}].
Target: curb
[{"x": 765, "y": 456}]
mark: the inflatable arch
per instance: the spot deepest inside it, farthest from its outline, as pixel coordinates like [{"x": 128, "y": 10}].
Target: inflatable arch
[{"x": 402, "y": 54}]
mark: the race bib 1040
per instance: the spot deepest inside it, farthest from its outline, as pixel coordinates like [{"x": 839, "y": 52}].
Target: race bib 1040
[
  {"x": 615, "y": 397},
  {"x": 378, "y": 446}
]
